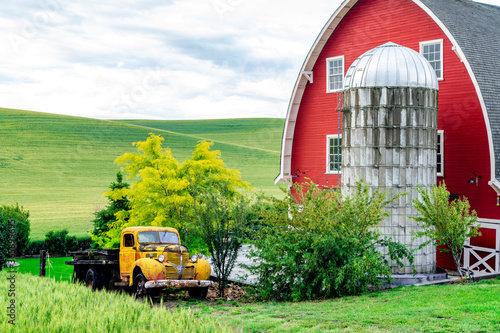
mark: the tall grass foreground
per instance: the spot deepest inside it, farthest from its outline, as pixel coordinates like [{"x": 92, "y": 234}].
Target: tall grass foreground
[{"x": 43, "y": 305}]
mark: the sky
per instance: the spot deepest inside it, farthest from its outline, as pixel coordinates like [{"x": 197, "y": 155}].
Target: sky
[{"x": 156, "y": 59}]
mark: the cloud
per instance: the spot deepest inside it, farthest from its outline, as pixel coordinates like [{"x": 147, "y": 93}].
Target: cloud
[{"x": 176, "y": 59}]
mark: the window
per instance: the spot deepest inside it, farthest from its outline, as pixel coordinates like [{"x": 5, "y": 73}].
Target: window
[
  {"x": 334, "y": 74},
  {"x": 334, "y": 153},
  {"x": 149, "y": 237},
  {"x": 169, "y": 237},
  {"x": 128, "y": 240},
  {"x": 440, "y": 154},
  {"x": 433, "y": 52}
]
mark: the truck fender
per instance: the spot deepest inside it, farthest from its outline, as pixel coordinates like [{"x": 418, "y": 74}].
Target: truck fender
[
  {"x": 152, "y": 269},
  {"x": 202, "y": 269}
]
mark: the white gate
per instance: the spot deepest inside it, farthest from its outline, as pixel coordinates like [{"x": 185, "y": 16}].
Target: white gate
[{"x": 482, "y": 254}]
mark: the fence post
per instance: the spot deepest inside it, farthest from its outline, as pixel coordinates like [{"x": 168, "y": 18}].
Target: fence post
[{"x": 42, "y": 262}]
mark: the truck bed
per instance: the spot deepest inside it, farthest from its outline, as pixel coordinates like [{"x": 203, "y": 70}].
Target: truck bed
[{"x": 95, "y": 257}]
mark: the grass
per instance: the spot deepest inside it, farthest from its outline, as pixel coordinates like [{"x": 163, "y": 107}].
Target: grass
[
  {"x": 447, "y": 308},
  {"x": 471, "y": 307},
  {"x": 55, "y": 267},
  {"x": 440, "y": 308},
  {"x": 44, "y": 305},
  {"x": 57, "y": 167}
]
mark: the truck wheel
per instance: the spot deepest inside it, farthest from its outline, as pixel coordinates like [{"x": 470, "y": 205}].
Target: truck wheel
[
  {"x": 93, "y": 279},
  {"x": 140, "y": 291},
  {"x": 198, "y": 293}
]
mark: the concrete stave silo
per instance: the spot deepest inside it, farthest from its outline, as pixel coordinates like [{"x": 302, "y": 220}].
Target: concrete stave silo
[{"x": 389, "y": 136}]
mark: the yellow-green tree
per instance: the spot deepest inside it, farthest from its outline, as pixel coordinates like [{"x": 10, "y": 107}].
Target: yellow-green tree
[{"x": 164, "y": 192}]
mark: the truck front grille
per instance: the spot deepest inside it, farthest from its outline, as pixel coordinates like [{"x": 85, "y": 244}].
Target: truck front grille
[
  {"x": 172, "y": 273},
  {"x": 174, "y": 253},
  {"x": 188, "y": 273}
]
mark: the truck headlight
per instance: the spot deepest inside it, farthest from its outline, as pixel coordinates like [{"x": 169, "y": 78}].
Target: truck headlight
[
  {"x": 194, "y": 258},
  {"x": 161, "y": 258}
]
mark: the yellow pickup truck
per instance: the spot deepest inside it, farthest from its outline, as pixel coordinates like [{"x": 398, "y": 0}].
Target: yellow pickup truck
[{"x": 149, "y": 259}]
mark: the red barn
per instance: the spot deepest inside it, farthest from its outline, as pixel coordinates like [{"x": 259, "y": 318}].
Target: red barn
[{"x": 460, "y": 39}]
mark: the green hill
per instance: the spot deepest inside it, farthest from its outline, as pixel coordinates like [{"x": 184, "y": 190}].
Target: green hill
[{"x": 57, "y": 167}]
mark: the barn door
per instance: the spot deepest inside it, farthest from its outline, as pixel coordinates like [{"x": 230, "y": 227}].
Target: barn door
[{"x": 482, "y": 254}]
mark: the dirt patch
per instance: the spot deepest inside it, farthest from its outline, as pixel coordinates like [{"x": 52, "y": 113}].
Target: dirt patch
[{"x": 232, "y": 292}]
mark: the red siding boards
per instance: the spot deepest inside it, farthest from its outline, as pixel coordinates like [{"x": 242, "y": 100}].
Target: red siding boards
[
  {"x": 371, "y": 23},
  {"x": 444, "y": 259}
]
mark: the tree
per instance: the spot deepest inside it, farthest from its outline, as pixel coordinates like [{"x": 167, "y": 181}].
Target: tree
[
  {"x": 105, "y": 217},
  {"x": 444, "y": 222},
  {"x": 162, "y": 194},
  {"x": 221, "y": 221},
  {"x": 323, "y": 244},
  {"x": 14, "y": 232}
]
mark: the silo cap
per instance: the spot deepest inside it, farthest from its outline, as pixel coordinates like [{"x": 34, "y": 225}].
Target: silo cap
[{"x": 391, "y": 65}]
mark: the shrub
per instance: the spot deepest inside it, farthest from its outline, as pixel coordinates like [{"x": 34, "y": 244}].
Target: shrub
[
  {"x": 59, "y": 243},
  {"x": 328, "y": 248},
  {"x": 14, "y": 226},
  {"x": 35, "y": 247},
  {"x": 444, "y": 222},
  {"x": 221, "y": 223}
]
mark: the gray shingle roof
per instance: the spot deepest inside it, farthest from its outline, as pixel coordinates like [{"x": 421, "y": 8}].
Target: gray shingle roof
[{"x": 476, "y": 28}]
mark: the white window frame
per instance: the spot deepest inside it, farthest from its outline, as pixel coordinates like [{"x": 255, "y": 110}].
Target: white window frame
[
  {"x": 434, "y": 42},
  {"x": 328, "y": 90},
  {"x": 328, "y": 137},
  {"x": 440, "y": 151}
]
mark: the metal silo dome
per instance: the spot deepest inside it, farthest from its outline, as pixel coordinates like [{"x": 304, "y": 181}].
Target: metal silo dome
[{"x": 391, "y": 65}]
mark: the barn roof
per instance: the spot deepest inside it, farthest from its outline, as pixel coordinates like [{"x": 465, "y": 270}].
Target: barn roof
[{"x": 474, "y": 30}]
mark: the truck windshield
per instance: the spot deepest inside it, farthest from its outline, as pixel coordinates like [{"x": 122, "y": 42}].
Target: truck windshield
[
  {"x": 147, "y": 237},
  {"x": 169, "y": 237}
]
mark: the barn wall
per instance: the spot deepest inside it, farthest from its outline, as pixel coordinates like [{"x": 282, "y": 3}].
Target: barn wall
[
  {"x": 369, "y": 24},
  {"x": 374, "y": 22}
]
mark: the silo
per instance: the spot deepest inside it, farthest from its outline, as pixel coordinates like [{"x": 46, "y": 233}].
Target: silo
[{"x": 389, "y": 135}]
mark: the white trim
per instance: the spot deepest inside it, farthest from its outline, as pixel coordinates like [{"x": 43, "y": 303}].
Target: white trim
[
  {"x": 495, "y": 184},
  {"x": 484, "y": 222},
  {"x": 300, "y": 83},
  {"x": 328, "y": 90},
  {"x": 441, "y": 148},
  {"x": 462, "y": 56},
  {"x": 328, "y": 171},
  {"x": 454, "y": 48},
  {"x": 433, "y": 42},
  {"x": 308, "y": 75}
]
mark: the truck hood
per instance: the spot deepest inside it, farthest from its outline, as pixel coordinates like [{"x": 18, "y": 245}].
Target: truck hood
[{"x": 173, "y": 248}]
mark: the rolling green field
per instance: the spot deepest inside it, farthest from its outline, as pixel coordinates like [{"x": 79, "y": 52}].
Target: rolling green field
[{"x": 57, "y": 167}]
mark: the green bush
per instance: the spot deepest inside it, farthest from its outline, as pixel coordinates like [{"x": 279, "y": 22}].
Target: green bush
[
  {"x": 80, "y": 243},
  {"x": 59, "y": 243},
  {"x": 35, "y": 247},
  {"x": 329, "y": 247},
  {"x": 14, "y": 232},
  {"x": 4, "y": 244}
]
